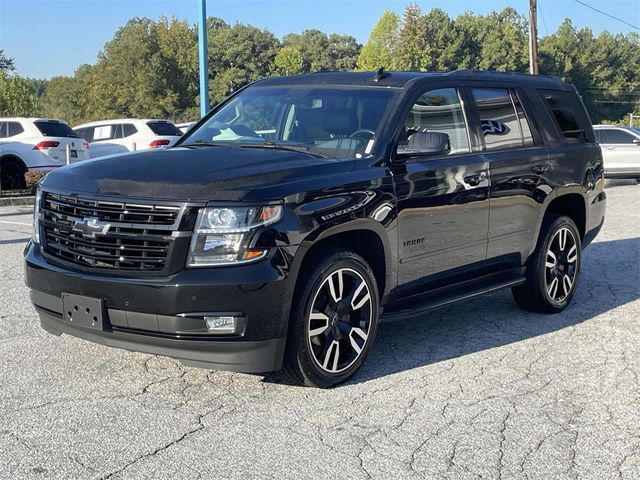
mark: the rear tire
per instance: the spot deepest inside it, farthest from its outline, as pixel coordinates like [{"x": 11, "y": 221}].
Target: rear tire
[
  {"x": 553, "y": 269},
  {"x": 334, "y": 319},
  {"x": 12, "y": 174}
]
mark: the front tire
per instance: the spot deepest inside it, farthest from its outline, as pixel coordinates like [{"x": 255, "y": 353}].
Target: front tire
[
  {"x": 334, "y": 320},
  {"x": 553, "y": 269}
]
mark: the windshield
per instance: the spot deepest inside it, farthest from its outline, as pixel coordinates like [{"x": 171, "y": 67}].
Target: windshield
[{"x": 333, "y": 122}]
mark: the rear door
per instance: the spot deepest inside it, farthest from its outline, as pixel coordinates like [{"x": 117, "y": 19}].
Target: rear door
[
  {"x": 443, "y": 201},
  {"x": 518, "y": 164},
  {"x": 621, "y": 151}
]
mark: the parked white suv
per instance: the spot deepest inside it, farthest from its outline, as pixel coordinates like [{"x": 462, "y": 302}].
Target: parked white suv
[
  {"x": 134, "y": 134},
  {"x": 620, "y": 150},
  {"x": 36, "y": 144}
]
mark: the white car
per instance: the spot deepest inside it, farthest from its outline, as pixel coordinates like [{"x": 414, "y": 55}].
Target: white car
[
  {"x": 134, "y": 134},
  {"x": 184, "y": 127},
  {"x": 36, "y": 144},
  {"x": 620, "y": 150}
]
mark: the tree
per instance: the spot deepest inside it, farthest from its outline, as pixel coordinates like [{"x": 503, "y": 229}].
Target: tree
[
  {"x": 411, "y": 40},
  {"x": 343, "y": 52},
  {"x": 6, "y": 63},
  {"x": 16, "y": 98},
  {"x": 443, "y": 43},
  {"x": 380, "y": 49},
  {"x": 289, "y": 61}
]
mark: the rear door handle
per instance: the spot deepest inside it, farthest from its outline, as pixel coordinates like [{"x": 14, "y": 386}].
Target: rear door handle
[
  {"x": 474, "y": 180},
  {"x": 539, "y": 169}
]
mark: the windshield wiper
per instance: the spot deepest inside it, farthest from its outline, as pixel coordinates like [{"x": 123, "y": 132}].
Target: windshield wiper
[{"x": 279, "y": 146}]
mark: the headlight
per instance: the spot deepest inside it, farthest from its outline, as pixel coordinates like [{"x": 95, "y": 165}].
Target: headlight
[
  {"x": 36, "y": 217},
  {"x": 223, "y": 234}
]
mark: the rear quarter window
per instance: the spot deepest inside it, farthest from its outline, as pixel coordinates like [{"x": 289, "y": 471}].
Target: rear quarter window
[
  {"x": 128, "y": 129},
  {"x": 13, "y": 129},
  {"x": 55, "y": 129},
  {"x": 164, "y": 128},
  {"x": 569, "y": 115}
]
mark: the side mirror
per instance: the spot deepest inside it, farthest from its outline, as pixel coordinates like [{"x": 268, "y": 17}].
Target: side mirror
[{"x": 425, "y": 144}]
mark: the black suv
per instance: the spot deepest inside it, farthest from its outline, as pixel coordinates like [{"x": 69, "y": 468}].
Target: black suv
[{"x": 304, "y": 210}]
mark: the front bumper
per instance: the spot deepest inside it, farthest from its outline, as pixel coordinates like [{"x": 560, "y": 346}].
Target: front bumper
[{"x": 146, "y": 314}]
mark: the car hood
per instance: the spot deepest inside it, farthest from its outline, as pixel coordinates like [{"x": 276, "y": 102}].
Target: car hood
[{"x": 191, "y": 174}]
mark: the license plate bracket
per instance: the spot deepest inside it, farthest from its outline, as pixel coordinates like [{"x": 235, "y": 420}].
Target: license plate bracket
[{"x": 87, "y": 312}]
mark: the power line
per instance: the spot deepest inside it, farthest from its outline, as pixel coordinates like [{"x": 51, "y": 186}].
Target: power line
[
  {"x": 606, "y": 14},
  {"x": 542, "y": 15}
]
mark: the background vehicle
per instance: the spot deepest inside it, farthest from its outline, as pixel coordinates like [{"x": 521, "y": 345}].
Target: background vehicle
[
  {"x": 184, "y": 127},
  {"x": 134, "y": 134},
  {"x": 36, "y": 144},
  {"x": 620, "y": 150},
  {"x": 306, "y": 209}
]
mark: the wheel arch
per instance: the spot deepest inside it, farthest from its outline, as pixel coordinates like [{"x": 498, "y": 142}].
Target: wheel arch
[
  {"x": 570, "y": 202},
  {"x": 13, "y": 157},
  {"x": 365, "y": 237},
  {"x": 573, "y": 205}
]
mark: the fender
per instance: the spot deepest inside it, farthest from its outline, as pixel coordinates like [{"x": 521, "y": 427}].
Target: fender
[{"x": 369, "y": 224}]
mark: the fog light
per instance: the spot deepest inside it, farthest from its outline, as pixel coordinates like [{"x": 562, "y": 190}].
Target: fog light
[{"x": 221, "y": 324}]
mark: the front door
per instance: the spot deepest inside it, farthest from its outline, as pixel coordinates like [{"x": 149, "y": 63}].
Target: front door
[{"x": 443, "y": 202}]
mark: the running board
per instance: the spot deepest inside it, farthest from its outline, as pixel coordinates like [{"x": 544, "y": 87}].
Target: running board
[{"x": 419, "y": 304}]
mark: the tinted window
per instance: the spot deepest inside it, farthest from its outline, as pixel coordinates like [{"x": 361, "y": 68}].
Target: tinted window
[
  {"x": 498, "y": 119},
  {"x": 85, "y": 133},
  {"x": 117, "y": 131},
  {"x": 55, "y": 129},
  {"x": 14, "y": 128},
  {"x": 619, "y": 136},
  {"x": 568, "y": 112},
  {"x": 3, "y": 129},
  {"x": 440, "y": 111},
  {"x": 129, "y": 129},
  {"x": 164, "y": 128},
  {"x": 601, "y": 136}
]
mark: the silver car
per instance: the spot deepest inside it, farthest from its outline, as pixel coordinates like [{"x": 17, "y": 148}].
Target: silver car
[{"x": 620, "y": 150}]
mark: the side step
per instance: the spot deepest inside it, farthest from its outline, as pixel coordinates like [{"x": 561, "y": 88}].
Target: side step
[{"x": 419, "y": 304}]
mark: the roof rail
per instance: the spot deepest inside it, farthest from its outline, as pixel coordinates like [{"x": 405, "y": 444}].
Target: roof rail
[{"x": 469, "y": 71}]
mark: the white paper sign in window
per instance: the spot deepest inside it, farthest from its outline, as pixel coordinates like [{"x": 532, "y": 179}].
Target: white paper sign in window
[{"x": 101, "y": 133}]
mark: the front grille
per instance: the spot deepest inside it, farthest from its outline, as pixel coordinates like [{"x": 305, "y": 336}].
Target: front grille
[{"x": 108, "y": 235}]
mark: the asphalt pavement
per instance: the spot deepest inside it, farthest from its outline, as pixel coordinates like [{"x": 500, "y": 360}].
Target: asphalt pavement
[{"x": 480, "y": 389}]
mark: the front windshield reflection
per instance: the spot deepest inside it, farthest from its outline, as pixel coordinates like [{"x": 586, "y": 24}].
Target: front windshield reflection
[{"x": 331, "y": 122}]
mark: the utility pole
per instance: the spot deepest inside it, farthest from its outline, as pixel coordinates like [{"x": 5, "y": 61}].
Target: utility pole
[
  {"x": 533, "y": 37},
  {"x": 202, "y": 57}
]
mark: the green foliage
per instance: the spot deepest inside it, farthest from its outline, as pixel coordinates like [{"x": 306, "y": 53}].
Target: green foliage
[
  {"x": 6, "y": 63},
  {"x": 605, "y": 69},
  {"x": 380, "y": 49},
  {"x": 289, "y": 61},
  {"x": 16, "y": 97},
  {"x": 321, "y": 52}
]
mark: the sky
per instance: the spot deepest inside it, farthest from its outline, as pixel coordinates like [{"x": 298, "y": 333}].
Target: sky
[{"x": 53, "y": 37}]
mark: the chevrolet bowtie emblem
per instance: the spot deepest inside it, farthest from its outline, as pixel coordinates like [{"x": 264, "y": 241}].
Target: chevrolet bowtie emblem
[{"x": 91, "y": 226}]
